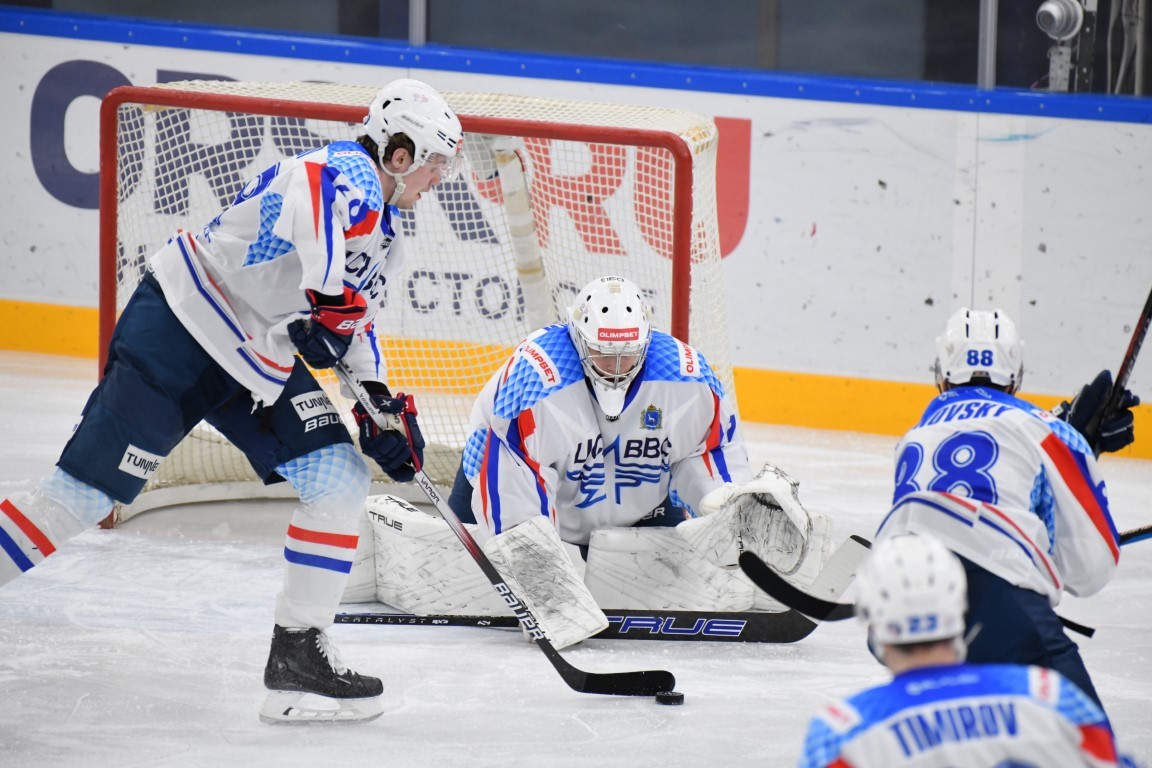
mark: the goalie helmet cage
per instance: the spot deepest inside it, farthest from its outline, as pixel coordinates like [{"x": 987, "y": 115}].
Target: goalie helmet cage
[{"x": 554, "y": 194}]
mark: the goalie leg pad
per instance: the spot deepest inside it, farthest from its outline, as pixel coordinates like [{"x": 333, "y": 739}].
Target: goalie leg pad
[
  {"x": 538, "y": 571},
  {"x": 764, "y": 516},
  {"x": 420, "y": 565},
  {"x": 656, "y": 569}
]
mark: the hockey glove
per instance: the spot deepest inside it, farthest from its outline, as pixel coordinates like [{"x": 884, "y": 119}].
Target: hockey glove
[
  {"x": 1105, "y": 432},
  {"x": 390, "y": 447},
  {"x": 325, "y": 339}
]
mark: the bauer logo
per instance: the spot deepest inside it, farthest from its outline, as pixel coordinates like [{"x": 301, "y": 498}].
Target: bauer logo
[
  {"x": 139, "y": 463},
  {"x": 543, "y": 364},
  {"x": 312, "y": 404}
]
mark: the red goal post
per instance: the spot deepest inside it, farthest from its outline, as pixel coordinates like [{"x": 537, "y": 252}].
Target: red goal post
[{"x": 555, "y": 193}]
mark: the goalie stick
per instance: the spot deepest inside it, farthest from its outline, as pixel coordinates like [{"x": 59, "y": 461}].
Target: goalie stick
[
  {"x": 779, "y": 588},
  {"x": 636, "y": 624},
  {"x": 639, "y": 683},
  {"x": 642, "y": 624}
]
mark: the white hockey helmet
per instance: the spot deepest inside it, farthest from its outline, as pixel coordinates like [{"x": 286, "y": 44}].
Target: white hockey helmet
[
  {"x": 416, "y": 110},
  {"x": 611, "y": 325},
  {"x": 912, "y": 589},
  {"x": 979, "y": 345}
]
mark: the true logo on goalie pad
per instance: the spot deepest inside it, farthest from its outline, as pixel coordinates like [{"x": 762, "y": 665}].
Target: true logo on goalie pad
[{"x": 139, "y": 463}]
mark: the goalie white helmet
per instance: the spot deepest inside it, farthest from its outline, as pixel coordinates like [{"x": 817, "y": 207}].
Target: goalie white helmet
[
  {"x": 416, "y": 110},
  {"x": 611, "y": 324},
  {"x": 979, "y": 345},
  {"x": 912, "y": 589}
]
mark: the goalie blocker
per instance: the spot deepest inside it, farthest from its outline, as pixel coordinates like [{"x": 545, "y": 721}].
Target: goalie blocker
[{"x": 411, "y": 561}]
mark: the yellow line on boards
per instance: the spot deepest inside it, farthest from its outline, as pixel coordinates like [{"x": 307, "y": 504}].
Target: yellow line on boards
[{"x": 771, "y": 397}]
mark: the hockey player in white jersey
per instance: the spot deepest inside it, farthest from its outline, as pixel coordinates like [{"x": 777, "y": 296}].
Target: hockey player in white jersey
[
  {"x": 296, "y": 265},
  {"x": 609, "y": 435},
  {"x": 939, "y": 711},
  {"x": 1013, "y": 490}
]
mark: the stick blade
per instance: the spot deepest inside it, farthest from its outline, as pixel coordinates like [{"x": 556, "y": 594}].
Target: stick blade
[{"x": 781, "y": 589}]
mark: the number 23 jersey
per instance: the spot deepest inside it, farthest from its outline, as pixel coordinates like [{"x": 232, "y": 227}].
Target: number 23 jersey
[{"x": 1008, "y": 486}]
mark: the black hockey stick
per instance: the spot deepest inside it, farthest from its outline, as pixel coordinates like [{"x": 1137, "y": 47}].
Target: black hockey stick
[
  {"x": 818, "y": 608},
  {"x": 777, "y": 587},
  {"x": 640, "y": 683},
  {"x": 764, "y": 577},
  {"x": 1124, "y": 372},
  {"x": 634, "y": 624},
  {"x": 1136, "y": 534}
]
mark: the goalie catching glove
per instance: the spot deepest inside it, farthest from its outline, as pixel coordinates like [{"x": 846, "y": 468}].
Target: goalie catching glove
[
  {"x": 390, "y": 448},
  {"x": 1105, "y": 432},
  {"x": 763, "y": 516},
  {"x": 325, "y": 338}
]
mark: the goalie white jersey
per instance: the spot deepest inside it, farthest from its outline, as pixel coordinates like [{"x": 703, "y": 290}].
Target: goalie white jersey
[
  {"x": 1010, "y": 487},
  {"x": 316, "y": 221},
  {"x": 539, "y": 444}
]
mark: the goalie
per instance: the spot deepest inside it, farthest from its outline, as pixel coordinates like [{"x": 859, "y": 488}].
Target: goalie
[{"x": 604, "y": 434}]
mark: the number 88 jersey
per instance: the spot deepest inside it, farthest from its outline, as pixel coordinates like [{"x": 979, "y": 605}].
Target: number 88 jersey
[{"x": 1008, "y": 486}]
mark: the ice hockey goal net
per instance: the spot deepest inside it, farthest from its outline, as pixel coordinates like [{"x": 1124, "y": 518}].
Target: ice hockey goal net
[{"x": 555, "y": 193}]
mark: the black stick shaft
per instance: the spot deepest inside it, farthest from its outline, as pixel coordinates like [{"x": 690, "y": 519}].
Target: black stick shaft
[{"x": 641, "y": 683}]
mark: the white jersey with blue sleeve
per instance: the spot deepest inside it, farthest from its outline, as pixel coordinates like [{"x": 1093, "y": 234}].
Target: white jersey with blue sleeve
[
  {"x": 315, "y": 221},
  {"x": 963, "y": 716},
  {"x": 539, "y": 444},
  {"x": 1009, "y": 487}
]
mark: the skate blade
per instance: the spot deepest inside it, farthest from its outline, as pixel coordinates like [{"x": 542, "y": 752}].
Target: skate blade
[{"x": 296, "y": 708}]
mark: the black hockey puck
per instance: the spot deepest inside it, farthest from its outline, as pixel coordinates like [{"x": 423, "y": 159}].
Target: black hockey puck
[{"x": 670, "y": 698}]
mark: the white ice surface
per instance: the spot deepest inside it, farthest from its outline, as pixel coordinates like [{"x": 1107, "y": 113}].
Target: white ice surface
[{"x": 145, "y": 645}]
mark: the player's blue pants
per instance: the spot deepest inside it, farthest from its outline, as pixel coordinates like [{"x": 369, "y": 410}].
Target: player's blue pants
[
  {"x": 1018, "y": 626},
  {"x": 159, "y": 383}
]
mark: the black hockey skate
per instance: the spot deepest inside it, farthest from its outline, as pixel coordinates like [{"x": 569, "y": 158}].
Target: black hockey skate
[{"x": 307, "y": 683}]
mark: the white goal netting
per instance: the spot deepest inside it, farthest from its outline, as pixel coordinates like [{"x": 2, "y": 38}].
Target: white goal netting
[{"x": 555, "y": 193}]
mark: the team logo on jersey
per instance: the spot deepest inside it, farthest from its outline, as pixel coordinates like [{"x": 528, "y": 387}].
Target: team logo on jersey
[
  {"x": 689, "y": 361},
  {"x": 139, "y": 463},
  {"x": 651, "y": 418},
  {"x": 539, "y": 360}
]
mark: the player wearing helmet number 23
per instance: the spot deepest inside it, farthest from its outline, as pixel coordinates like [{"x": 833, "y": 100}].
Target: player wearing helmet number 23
[
  {"x": 294, "y": 266},
  {"x": 939, "y": 711}
]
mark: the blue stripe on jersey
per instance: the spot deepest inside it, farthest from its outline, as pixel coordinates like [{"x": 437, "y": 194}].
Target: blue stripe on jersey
[
  {"x": 492, "y": 480},
  {"x": 208, "y": 297},
  {"x": 327, "y": 202},
  {"x": 9, "y": 545},
  {"x": 261, "y": 370},
  {"x": 317, "y": 561},
  {"x": 927, "y": 502}
]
